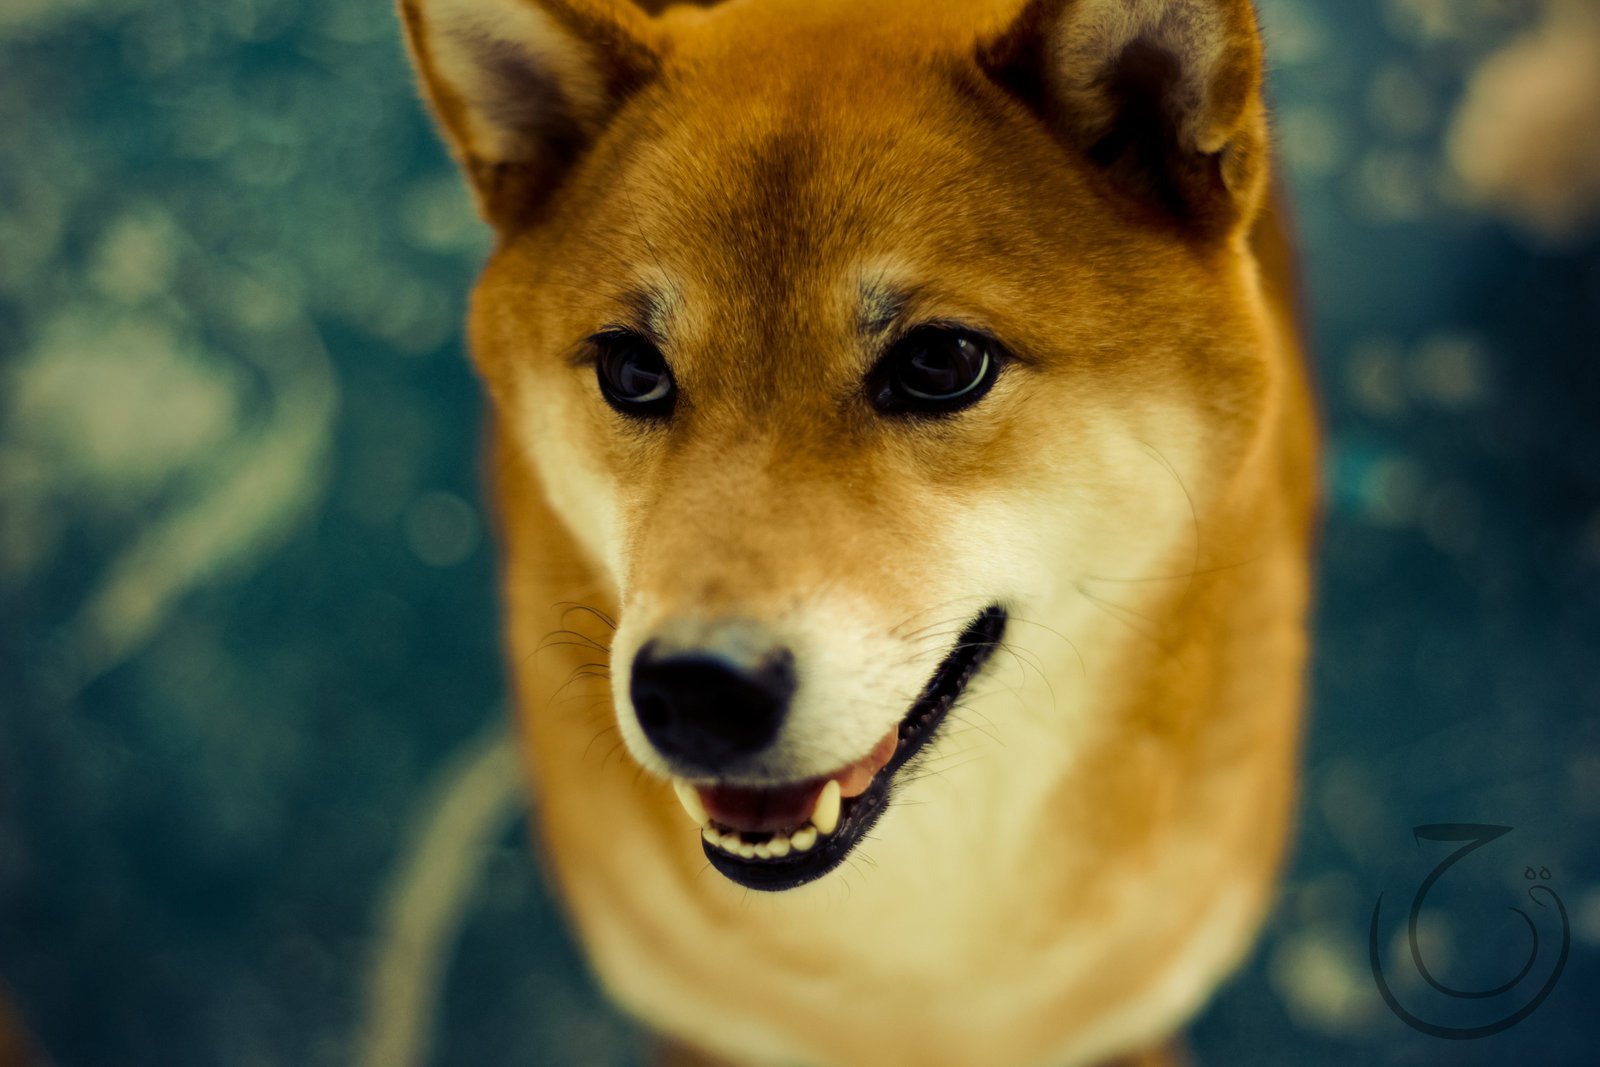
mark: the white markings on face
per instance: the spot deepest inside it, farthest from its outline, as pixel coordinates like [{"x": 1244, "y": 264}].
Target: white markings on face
[{"x": 576, "y": 483}]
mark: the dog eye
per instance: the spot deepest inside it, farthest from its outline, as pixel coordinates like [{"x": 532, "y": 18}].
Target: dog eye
[
  {"x": 634, "y": 376},
  {"x": 934, "y": 370}
]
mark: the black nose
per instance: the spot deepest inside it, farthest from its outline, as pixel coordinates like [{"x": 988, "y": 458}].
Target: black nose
[{"x": 703, "y": 711}]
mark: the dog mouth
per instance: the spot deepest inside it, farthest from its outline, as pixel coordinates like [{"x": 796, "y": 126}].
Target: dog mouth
[{"x": 780, "y": 837}]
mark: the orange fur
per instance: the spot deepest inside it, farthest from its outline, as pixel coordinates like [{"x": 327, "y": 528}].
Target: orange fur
[{"x": 1139, "y": 484}]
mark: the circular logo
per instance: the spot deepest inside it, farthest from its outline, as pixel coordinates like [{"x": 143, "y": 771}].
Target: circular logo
[{"x": 1473, "y": 836}]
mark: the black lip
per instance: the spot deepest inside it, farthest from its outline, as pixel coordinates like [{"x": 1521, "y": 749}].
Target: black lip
[{"x": 972, "y": 650}]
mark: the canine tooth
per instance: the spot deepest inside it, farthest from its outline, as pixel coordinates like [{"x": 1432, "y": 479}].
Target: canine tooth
[
  {"x": 764, "y": 850},
  {"x": 730, "y": 842},
  {"x": 689, "y": 797},
  {"x": 779, "y": 846},
  {"x": 747, "y": 851},
  {"x": 803, "y": 838},
  {"x": 712, "y": 837},
  {"x": 826, "y": 817}
]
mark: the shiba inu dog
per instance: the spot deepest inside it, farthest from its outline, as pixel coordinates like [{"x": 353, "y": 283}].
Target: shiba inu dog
[{"x": 905, "y": 467}]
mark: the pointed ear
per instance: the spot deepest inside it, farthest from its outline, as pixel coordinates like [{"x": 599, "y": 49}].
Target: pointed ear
[
  {"x": 521, "y": 87},
  {"x": 1162, "y": 97}
]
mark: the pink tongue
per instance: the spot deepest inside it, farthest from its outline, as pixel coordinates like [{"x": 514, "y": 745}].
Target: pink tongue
[
  {"x": 854, "y": 779},
  {"x": 762, "y": 810},
  {"x": 789, "y": 807}
]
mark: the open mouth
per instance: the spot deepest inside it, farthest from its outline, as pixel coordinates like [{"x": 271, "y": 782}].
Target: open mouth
[{"x": 779, "y": 837}]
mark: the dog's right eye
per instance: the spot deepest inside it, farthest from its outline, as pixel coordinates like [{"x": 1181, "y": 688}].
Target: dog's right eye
[{"x": 634, "y": 376}]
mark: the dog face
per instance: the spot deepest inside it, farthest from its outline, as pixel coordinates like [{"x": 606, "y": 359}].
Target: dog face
[{"x": 842, "y": 362}]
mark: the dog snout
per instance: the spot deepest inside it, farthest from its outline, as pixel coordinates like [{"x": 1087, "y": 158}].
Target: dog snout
[{"x": 705, "y": 710}]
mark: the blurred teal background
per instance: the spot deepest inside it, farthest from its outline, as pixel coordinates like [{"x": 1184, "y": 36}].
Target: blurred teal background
[{"x": 250, "y": 686}]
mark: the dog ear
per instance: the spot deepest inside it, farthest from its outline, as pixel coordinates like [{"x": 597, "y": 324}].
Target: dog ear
[
  {"x": 1162, "y": 97},
  {"x": 521, "y": 87}
]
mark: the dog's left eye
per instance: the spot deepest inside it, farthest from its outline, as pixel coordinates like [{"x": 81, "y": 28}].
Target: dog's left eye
[
  {"x": 634, "y": 376},
  {"x": 934, "y": 370}
]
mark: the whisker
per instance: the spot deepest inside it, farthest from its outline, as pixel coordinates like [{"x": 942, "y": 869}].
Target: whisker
[
  {"x": 571, "y": 606},
  {"x": 1112, "y": 610}
]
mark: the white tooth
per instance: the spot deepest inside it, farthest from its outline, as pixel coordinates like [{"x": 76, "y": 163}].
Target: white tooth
[
  {"x": 779, "y": 845},
  {"x": 764, "y": 850},
  {"x": 689, "y": 797},
  {"x": 712, "y": 837},
  {"x": 730, "y": 842},
  {"x": 803, "y": 838},
  {"x": 747, "y": 851},
  {"x": 826, "y": 817}
]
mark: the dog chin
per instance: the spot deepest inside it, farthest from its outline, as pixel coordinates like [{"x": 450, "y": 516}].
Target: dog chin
[{"x": 783, "y": 835}]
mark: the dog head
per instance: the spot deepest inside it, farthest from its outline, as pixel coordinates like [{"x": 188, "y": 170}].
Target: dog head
[{"x": 844, "y": 337}]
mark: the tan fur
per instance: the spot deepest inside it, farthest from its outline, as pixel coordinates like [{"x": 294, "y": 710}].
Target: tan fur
[
  {"x": 1099, "y": 835},
  {"x": 17, "y": 1048}
]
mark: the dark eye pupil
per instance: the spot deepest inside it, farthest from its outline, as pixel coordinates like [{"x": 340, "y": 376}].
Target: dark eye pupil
[
  {"x": 634, "y": 377},
  {"x": 942, "y": 369},
  {"x": 936, "y": 370}
]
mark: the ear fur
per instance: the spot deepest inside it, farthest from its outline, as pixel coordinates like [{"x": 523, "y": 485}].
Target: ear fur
[
  {"x": 520, "y": 87},
  {"x": 1162, "y": 96}
]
